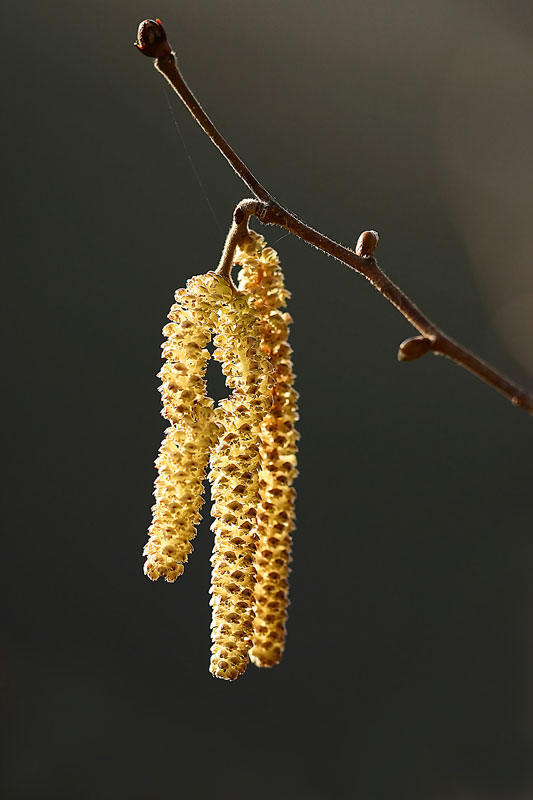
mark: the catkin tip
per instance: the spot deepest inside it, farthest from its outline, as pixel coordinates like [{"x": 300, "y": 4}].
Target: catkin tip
[
  {"x": 154, "y": 569},
  {"x": 225, "y": 671}
]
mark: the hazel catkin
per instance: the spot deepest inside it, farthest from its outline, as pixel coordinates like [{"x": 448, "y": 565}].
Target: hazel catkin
[
  {"x": 262, "y": 279},
  {"x": 184, "y": 452},
  {"x": 249, "y": 441},
  {"x": 234, "y": 476}
]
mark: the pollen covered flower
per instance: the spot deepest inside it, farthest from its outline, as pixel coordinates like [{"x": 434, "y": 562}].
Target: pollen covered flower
[
  {"x": 184, "y": 452},
  {"x": 249, "y": 441},
  {"x": 262, "y": 279},
  {"x": 234, "y": 476}
]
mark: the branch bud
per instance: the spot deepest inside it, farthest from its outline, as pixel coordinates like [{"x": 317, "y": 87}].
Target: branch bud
[
  {"x": 367, "y": 243},
  {"x": 152, "y": 40},
  {"x": 413, "y": 348}
]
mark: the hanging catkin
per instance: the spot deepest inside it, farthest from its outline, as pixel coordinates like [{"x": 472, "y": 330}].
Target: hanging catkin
[
  {"x": 250, "y": 441},
  {"x": 184, "y": 452},
  {"x": 235, "y": 484},
  {"x": 261, "y": 277}
]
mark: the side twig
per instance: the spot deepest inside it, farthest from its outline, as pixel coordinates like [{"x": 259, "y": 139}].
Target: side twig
[{"x": 152, "y": 41}]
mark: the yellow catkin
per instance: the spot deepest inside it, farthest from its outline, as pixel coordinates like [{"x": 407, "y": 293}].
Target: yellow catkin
[
  {"x": 234, "y": 477},
  {"x": 184, "y": 452},
  {"x": 261, "y": 277}
]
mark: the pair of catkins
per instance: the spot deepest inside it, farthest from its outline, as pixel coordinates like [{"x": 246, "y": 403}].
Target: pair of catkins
[{"x": 248, "y": 445}]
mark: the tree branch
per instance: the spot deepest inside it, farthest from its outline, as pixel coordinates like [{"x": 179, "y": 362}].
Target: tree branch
[{"x": 152, "y": 41}]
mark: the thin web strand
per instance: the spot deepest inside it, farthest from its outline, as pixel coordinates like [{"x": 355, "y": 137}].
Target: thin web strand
[{"x": 191, "y": 162}]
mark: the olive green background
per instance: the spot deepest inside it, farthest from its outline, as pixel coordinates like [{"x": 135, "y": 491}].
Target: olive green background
[{"x": 408, "y": 669}]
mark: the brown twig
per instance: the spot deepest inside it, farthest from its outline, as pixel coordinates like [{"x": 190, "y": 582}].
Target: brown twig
[{"x": 152, "y": 42}]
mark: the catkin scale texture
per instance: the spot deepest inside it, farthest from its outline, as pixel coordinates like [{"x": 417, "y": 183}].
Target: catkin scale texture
[
  {"x": 235, "y": 475},
  {"x": 184, "y": 452},
  {"x": 262, "y": 279}
]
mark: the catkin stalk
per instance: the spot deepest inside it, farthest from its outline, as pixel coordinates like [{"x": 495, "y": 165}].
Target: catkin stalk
[{"x": 262, "y": 278}]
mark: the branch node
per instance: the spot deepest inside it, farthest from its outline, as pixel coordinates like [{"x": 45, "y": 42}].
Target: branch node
[
  {"x": 413, "y": 348},
  {"x": 264, "y": 213},
  {"x": 367, "y": 243}
]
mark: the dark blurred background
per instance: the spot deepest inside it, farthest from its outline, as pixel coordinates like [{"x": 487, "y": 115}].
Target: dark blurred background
[{"x": 408, "y": 671}]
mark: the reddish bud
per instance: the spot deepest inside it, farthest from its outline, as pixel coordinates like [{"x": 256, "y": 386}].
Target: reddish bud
[
  {"x": 152, "y": 40},
  {"x": 367, "y": 243},
  {"x": 413, "y": 348}
]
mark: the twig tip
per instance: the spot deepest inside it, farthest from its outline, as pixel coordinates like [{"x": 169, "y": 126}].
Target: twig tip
[{"x": 152, "y": 40}]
